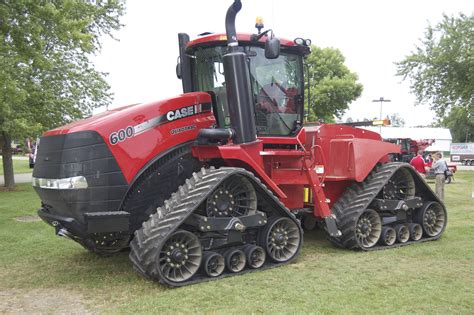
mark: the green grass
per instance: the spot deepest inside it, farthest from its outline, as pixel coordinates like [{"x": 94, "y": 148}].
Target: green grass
[
  {"x": 19, "y": 166},
  {"x": 433, "y": 277}
]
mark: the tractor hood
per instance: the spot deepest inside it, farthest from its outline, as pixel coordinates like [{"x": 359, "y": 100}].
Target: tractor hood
[
  {"x": 134, "y": 134},
  {"x": 132, "y": 115}
]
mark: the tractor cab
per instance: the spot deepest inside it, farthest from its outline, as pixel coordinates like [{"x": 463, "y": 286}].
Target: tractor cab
[{"x": 276, "y": 83}]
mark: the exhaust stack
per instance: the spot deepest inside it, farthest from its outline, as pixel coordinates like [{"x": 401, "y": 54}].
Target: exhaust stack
[{"x": 237, "y": 78}]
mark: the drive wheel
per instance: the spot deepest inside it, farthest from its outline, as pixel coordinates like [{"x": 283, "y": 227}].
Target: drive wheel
[
  {"x": 235, "y": 197},
  {"x": 281, "y": 239},
  {"x": 432, "y": 217},
  {"x": 400, "y": 186},
  {"x": 180, "y": 256},
  {"x": 368, "y": 228}
]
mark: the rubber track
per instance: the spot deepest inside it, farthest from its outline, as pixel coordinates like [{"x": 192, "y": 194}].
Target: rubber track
[
  {"x": 148, "y": 240},
  {"x": 358, "y": 197}
]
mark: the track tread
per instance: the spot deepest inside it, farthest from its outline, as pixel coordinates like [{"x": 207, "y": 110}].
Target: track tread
[
  {"x": 357, "y": 198},
  {"x": 145, "y": 246}
]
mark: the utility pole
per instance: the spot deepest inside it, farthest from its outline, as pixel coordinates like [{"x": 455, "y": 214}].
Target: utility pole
[{"x": 381, "y": 100}]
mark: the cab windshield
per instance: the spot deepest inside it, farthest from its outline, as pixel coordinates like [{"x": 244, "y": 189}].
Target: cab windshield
[{"x": 277, "y": 87}]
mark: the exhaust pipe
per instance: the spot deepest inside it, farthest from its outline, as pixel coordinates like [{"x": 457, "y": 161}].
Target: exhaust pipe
[
  {"x": 237, "y": 77},
  {"x": 230, "y": 24}
]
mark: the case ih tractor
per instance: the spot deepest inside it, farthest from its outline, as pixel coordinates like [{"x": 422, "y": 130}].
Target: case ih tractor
[
  {"x": 409, "y": 148},
  {"x": 215, "y": 181}
]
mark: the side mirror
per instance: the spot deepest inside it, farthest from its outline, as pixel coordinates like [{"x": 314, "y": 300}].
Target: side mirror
[
  {"x": 272, "y": 48},
  {"x": 179, "y": 71}
]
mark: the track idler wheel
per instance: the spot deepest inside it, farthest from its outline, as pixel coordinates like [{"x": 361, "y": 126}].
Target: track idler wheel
[
  {"x": 388, "y": 236},
  {"x": 255, "y": 256},
  {"x": 416, "y": 231},
  {"x": 400, "y": 186},
  {"x": 235, "y": 197},
  {"x": 281, "y": 239},
  {"x": 368, "y": 228},
  {"x": 180, "y": 256},
  {"x": 213, "y": 264},
  {"x": 235, "y": 260},
  {"x": 403, "y": 234},
  {"x": 432, "y": 217}
]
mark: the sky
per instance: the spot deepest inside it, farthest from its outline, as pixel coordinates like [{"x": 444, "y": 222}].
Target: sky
[{"x": 372, "y": 35}]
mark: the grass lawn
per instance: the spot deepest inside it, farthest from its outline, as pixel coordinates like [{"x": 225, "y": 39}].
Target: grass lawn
[
  {"x": 41, "y": 273},
  {"x": 19, "y": 166}
]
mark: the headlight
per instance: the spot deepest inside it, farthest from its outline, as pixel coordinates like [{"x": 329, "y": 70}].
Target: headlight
[{"x": 76, "y": 182}]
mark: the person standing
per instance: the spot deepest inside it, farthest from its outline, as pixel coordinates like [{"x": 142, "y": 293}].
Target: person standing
[
  {"x": 429, "y": 160},
  {"x": 439, "y": 167},
  {"x": 419, "y": 163}
]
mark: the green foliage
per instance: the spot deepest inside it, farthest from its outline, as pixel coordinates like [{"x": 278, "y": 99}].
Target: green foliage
[
  {"x": 461, "y": 124},
  {"x": 47, "y": 78},
  {"x": 333, "y": 85},
  {"x": 441, "y": 69}
]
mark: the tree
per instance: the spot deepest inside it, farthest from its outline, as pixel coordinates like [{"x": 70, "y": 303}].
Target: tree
[
  {"x": 441, "y": 70},
  {"x": 396, "y": 120},
  {"x": 461, "y": 124},
  {"x": 47, "y": 78},
  {"x": 333, "y": 86}
]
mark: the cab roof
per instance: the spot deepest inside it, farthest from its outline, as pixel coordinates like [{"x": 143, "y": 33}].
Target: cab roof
[{"x": 221, "y": 39}]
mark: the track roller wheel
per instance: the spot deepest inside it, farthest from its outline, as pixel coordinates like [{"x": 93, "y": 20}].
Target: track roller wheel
[
  {"x": 235, "y": 260},
  {"x": 180, "y": 256},
  {"x": 416, "y": 231},
  {"x": 281, "y": 239},
  {"x": 403, "y": 234},
  {"x": 213, "y": 264},
  {"x": 432, "y": 217},
  {"x": 368, "y": 228},
  {"x": 388, "y": 236},
  {"x": 255, "y": 256}
]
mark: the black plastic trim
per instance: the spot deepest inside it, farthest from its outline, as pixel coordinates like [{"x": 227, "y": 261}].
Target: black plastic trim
[{"x": 85, "y": 154}]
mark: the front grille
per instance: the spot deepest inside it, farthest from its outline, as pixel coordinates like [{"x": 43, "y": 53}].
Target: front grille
[{"x": 79, "y": 154}]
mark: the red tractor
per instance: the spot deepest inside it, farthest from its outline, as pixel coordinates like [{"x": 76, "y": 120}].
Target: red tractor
[
  {"x": 214, "y": 182},
  {"x": 409, "y": 148}
]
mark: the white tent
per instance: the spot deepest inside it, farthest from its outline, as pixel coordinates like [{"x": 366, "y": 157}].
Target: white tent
[{"x": 442, "y": 136}]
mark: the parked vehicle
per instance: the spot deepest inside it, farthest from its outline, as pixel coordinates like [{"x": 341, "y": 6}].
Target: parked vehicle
[
  {"x": 214, "y": 182},
  {"x": 467, "y": 162},
  {"x": 409, "y": 148},
  {"x": 462, "y": 152}
]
